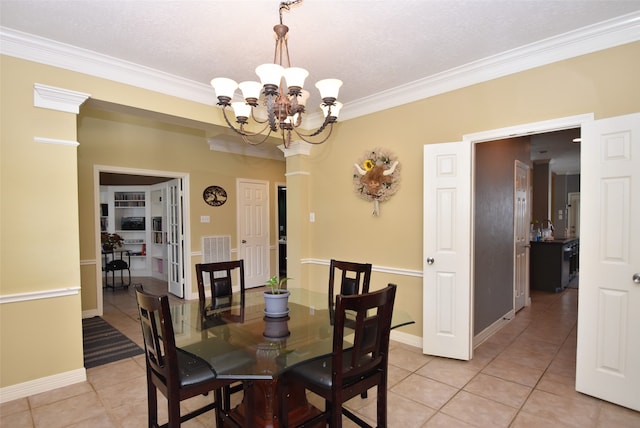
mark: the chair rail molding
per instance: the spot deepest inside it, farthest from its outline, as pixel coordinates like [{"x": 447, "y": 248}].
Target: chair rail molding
[
  {"x": 46, "y": 140},
  {"x": 39, "y": 295},
  {"x": 382, "y": 269}
]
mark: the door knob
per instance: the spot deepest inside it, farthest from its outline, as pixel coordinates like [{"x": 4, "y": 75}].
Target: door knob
[
  {"x": 430, "y": 260},
  {"x": 244, "y": 241},
  {"x": 636, "y": 278}
]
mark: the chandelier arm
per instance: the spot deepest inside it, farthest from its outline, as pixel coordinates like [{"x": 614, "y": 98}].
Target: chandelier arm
[
  {"x": 224, "y": 113},
  {"x": 255, "y": 119},
  {"x": 245, "y": 138},
  {"x": 318, "y": 131},
  {"x": 304, "y": 137},
  {"x": 242, "y": 132}
]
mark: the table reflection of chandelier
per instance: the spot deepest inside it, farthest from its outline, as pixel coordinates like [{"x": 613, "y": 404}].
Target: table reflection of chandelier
[{"x": 283, "y": 97}]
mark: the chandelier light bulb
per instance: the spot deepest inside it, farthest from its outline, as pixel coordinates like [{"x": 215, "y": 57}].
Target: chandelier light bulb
[
  {"x": 242, "y": 111},
  {"x": 250, "y": 90},
  {"x": 329, "y": 88},
  {"x": 294, "y": 76},
  {"x": 270, "y": 74},
  {"x": 224, "y": 87}
]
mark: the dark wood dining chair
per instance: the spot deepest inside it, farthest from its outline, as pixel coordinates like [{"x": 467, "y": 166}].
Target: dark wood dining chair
[
  {"x": 220, "y": 275},
  {"x": 354, "y": 278},
  {"x": 176, "y": 374},
  {"x": 353, "y": 369}
]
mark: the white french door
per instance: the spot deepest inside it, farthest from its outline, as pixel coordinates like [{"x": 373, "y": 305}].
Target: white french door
[
  {"x": 175, "y": 241},
  {"x": 447, "y": 292},
  {"x": 253, "y": 230},
  {"x": 608, "y": 350}
]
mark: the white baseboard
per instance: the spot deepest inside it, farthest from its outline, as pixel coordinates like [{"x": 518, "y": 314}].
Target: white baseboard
[
  {"x": 493, "y": 328},
  {"x": 407, "y": 339},
  {"x": 43, "y": 384},
  {"x": 90, "y": 313}
]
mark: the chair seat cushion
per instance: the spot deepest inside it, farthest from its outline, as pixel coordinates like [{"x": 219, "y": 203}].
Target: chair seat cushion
[
  {"x": 222, "y": 355},
  {"x": 192, "y": 370},
  {"x": 318, "y": 372}
]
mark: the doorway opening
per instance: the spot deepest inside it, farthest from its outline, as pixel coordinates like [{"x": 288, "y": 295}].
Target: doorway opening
[
  {"x": 282, "y": 229},
  {"x": 158, "y": 244},
  {"x": 492, "y": 308}
]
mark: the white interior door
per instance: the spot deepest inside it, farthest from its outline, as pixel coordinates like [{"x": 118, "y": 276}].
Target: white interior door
[
  {"x": 253, "y": 230},
  {"x": 447, "y": 293},
  {"x": 175, "y": 241},
  {"x": 521, "y": 221},
  {"x": 608, "y": 350}
]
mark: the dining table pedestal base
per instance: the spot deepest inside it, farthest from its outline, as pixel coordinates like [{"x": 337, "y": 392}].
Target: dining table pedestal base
[{"x": 263, "y": 404}]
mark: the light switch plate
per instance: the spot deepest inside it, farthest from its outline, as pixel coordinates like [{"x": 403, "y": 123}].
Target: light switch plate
[{"x": 205, "y": 219}]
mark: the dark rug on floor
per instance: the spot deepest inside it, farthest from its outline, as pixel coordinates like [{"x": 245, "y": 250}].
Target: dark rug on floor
[{"x": 104, "y": 344}]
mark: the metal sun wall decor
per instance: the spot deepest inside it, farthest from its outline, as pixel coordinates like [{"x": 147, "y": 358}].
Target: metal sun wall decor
[{"x": 376, "y": 177}]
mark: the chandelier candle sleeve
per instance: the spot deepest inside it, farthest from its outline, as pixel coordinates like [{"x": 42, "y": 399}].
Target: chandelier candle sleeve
[{"x": 280, "y": 95}]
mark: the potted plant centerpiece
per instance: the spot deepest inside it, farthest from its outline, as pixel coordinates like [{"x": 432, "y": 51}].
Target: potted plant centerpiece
[{"x": 276, "y": 299}]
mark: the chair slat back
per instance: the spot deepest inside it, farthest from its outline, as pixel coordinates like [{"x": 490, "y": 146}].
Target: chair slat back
[
  {"x": 220, "y": 280},
  {"x": 367, "y": 318},
  {"x": 157, "y": 330},
  {"x": 354, "y": 278}
]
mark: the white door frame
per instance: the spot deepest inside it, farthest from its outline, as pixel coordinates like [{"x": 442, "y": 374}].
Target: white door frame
[
  {"x": 525, "y": 129},
  {"x": 97, "y": 169}
]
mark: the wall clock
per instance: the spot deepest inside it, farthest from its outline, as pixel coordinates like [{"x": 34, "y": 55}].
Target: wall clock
[{"x": 214, "y": 196}]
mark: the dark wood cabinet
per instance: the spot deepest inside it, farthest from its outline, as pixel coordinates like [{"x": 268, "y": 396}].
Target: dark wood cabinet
[{"x": 553, "y": 264}]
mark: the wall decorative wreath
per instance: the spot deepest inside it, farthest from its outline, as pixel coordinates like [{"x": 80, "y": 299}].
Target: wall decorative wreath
[{"x": 376, "y": 177}]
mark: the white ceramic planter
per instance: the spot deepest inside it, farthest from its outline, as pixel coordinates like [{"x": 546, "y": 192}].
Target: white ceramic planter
[{"x": 276, "y": 305}]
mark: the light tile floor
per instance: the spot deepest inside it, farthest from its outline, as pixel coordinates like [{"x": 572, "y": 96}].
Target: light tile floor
[{"x": 523, "y": 376}]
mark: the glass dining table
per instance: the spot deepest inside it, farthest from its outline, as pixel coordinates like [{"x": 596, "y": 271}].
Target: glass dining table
[{"x": 239, "y": 342}]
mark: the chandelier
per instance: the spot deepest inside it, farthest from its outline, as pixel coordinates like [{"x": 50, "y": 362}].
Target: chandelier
[{"x": 283, "y": 97}]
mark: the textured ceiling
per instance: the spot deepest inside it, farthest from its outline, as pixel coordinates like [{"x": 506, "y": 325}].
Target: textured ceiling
[{"x": 372, "y": 45}]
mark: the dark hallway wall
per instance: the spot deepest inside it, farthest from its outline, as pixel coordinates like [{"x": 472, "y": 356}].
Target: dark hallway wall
[{"x": 493, "y": 262}]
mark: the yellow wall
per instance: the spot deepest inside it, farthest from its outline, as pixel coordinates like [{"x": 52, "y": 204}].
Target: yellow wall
[
  {"x": 39, "y": 212},
  {"x": 39, "y": 234}
]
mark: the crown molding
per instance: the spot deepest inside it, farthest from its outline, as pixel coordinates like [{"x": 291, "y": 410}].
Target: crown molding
[
  {"x": 607, "y": 34},
  {"x": 45, "y": 51},
  {"x": 604, "y": 35}
]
